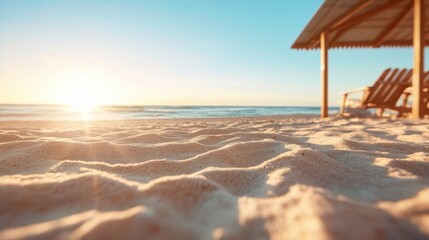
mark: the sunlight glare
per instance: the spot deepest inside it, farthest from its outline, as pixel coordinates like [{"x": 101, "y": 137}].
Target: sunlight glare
[{"x": 82, "y": 93}]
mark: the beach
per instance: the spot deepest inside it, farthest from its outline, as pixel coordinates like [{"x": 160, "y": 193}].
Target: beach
[{"x": 279, "y": 177}]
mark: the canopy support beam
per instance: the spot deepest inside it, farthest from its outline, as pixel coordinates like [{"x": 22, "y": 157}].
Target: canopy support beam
[
  {"x": 380, "y": 38},
  {"x": 362, "y": 17},
  {"x": 418, "y": 70},
  {"x": 340, "y": 19},
  {"x": 324, "y": 73}
]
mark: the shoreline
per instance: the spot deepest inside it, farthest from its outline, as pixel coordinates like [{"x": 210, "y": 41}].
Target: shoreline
[
  {"x": 165, "y": 120},
  {"x": 39, "y": 113}
]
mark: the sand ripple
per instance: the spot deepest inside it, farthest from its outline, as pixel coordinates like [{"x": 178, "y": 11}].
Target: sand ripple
[{"x": 245, "y": 178}]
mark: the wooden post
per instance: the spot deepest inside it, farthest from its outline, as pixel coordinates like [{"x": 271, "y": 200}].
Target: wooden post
[
  {"x": 324, "y": 73},
  {"x": 418, "y": 71}
]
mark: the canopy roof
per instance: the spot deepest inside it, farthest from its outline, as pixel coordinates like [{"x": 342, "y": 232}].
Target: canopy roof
[{"x": 362, "y": 23}]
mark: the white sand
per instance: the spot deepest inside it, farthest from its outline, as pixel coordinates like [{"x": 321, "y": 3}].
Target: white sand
[{"x": 243, "y": 178}]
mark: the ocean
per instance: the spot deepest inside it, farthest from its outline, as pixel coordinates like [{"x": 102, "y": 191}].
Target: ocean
[{"x": 60, "y": 112}]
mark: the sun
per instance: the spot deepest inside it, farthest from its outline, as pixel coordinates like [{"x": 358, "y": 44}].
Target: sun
[
  {"x": 83, "y": 93},
  {"x": 83, "y": 105}
]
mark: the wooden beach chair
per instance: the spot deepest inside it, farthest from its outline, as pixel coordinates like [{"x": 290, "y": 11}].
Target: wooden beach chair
[
  {"x": 385, "y": 92},
  {"x": 409, "y": 91}
]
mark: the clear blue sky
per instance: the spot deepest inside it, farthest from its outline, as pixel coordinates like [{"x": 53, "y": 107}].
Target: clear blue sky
[{"x": 218, "y": 52}]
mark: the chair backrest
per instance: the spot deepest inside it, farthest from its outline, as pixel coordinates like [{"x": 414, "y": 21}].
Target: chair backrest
[
  {"x": 426, "y": 79},
  {"x": 388, "y": 88},
  {"x": 426, "y": 94}
]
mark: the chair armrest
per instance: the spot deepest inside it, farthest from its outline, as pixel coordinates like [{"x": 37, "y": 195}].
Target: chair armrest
[
  {"x": 405, "y": 95},
  {"x": 345, "y": 95},
  {"x": 408, "y": 91},
  {"x": 356, "y": 90}
]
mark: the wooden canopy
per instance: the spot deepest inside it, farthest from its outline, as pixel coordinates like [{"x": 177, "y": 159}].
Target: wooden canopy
[{"x": 370, "y": 24}]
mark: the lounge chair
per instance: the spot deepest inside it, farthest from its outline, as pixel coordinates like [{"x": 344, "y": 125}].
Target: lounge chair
[
  {"x": 385, "y": 92},
  {"x": 409, "y": 91}
]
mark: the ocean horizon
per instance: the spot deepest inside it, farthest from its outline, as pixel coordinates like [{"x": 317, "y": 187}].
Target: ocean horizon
[{"x": 11, "y": 112}]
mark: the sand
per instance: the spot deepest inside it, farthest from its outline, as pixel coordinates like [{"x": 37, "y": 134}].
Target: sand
[{"x": 238, "y": 178}]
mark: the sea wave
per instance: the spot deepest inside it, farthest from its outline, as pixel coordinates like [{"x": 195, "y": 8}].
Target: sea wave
[{"x": 110, "y": 112}]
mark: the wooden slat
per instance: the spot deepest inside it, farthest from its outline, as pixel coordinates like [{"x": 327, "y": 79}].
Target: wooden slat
[
  {"x": 402, "y": 83},
  {"x": 350, "y": 13},
  {"x": 324, "y": 73},
  {"x": 418, "y": 42},
  {"x": 340, "y": 19},
  {"x": 362, "y": 17},
  {"x": 338, "y": 34},
  {"x": 426, "y": 93},
  {"x": 389, "y": 86},
  {"x": 374, "y": 96},
  {"x": 365, "y": 44},
  {"x": 367, "y": 94},
  {"x": 382, "y": 36},
  {"x": 345, "y": 26}
]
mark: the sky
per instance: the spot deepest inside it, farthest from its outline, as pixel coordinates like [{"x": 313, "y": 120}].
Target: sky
[{"x": 172, "y": 52}]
